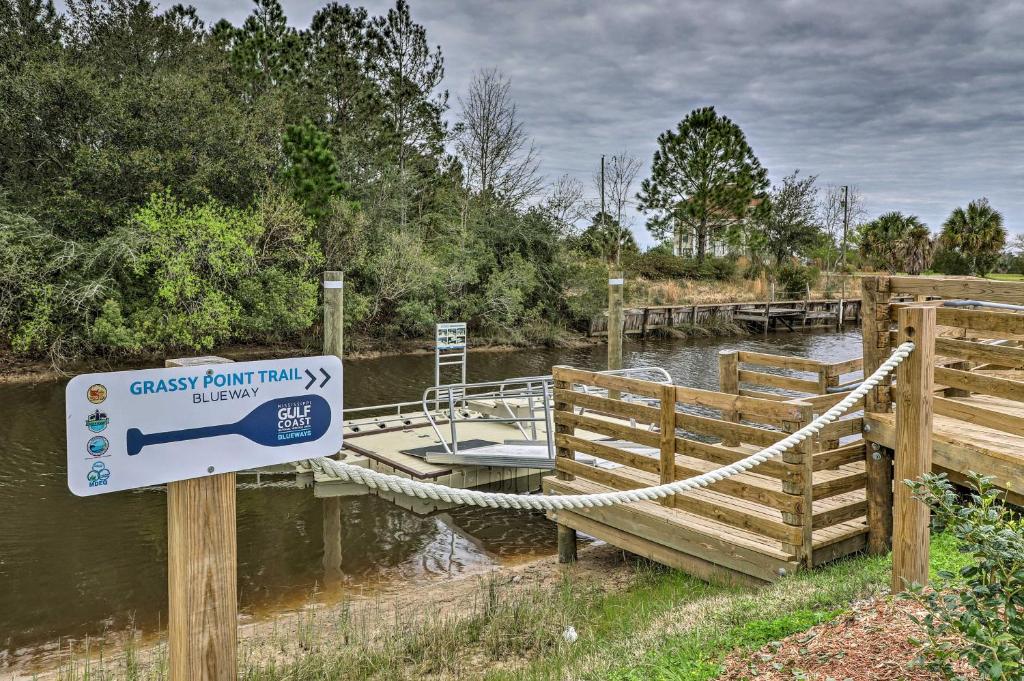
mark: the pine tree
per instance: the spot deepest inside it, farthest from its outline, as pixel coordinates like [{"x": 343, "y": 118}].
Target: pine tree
[{"x": 703, "y": 177}]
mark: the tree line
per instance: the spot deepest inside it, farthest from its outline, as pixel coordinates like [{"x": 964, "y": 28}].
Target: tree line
[
  {"x": 165, "y": 183},
  {"x": 168, "y": 184}
]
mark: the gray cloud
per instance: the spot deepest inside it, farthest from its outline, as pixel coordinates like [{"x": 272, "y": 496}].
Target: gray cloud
[{"x": 919, "y": 104}]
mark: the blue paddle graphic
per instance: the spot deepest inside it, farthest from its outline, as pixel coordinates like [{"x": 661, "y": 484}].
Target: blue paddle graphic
[{"x": 276, "y": 423}]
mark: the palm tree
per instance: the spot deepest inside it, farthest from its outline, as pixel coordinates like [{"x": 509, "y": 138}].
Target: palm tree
[
  {"x": 916, "y": 248},
  {"x": 896, "y": 242},
  {"x": 977, "y": 233}
]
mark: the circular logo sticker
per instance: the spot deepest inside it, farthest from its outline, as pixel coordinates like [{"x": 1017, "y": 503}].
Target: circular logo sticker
[
  {"x": 97, "y": 421},
  {"x": 98, "y": 445},
  {"x": 97, "y": 393},
  {"x": 98, "y": 475}
]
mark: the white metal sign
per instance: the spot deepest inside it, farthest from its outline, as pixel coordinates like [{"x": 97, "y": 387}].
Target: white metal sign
[
  {"x": 129, "y": 429},
  {"x": 450, "y": 335}
]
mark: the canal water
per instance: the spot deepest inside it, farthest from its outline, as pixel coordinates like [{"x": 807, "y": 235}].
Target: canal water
[{"x": 72, "y": 567}]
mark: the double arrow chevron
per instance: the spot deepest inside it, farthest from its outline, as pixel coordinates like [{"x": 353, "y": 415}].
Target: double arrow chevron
[{"x": 312, "y": 378}]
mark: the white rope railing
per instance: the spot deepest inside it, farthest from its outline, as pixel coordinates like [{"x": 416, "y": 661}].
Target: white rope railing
[{"x": 426, "y": 490}]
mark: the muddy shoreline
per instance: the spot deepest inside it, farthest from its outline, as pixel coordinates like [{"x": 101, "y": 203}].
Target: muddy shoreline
[{"x": 17, "y": 370}]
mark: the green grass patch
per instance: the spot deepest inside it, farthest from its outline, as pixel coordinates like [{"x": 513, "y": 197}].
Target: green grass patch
[
  {"x": 697, "y": 656},
  {"x": 664, "y": 625},
  {"x": 1005, "y": 277}
]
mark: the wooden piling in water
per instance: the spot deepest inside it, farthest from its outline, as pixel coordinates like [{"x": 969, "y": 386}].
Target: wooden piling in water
[
  {"x": 914, "y": 394},
  {"x": 616, "y": 323},
  {"x": 334, "y": 317}
]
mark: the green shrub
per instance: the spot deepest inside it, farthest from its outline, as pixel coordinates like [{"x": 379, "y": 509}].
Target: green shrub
[
  {"x": 202, "y": 275},
  {"x": 978, "y": 614},
  {"x": 44, "y": 293},
  {"x": 794, "y": 279},
  {"x": 947, "y": 261},
  {"x": 659, "y": 264}
]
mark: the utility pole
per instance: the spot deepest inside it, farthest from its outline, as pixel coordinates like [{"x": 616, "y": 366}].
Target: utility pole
[
  {"x": 846, "y": 221},
  {"x": 842, "y": 269}
]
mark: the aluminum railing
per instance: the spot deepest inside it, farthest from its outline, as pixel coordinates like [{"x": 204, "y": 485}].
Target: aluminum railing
[{"x": 447, "y": 400}]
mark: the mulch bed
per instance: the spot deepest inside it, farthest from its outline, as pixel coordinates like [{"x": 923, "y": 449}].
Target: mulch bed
[{"x": 870, "y": 643}]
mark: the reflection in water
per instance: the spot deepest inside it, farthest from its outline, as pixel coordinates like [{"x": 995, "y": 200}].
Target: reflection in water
[
  {"x": 332, "y": 542},
  {"x": 73, "y": 567}
]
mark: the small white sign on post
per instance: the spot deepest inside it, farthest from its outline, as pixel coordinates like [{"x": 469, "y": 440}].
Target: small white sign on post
[
  {"x": 450, "y": 336},
  {"x": 129, "y": 429}
]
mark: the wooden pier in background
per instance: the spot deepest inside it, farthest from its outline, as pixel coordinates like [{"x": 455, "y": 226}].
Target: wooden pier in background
[
  {"x": 957, "y": 405},
  {"x": 761, "y": 315}
]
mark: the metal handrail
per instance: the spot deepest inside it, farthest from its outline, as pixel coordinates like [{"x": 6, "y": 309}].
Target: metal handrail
[
  {"x": 497, "y": 390},
  {"x": 529, "y": 387}
]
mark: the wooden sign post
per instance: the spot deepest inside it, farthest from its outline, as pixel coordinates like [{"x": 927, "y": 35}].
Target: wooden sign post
[
  {"x": 914, "y": 388},
  {"x": 202, "y": 572},
  {"x": 191, "y": 426}
]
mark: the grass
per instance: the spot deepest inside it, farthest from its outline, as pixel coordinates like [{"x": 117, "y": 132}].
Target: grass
[
  {"x": 660, "y": 624},
  {"x": 1005, "y": 277}
]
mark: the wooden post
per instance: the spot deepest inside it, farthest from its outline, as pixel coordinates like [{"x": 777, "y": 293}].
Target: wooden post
[
  {"x": 915, "y": 382},
  {"x": 828, "y": 377},
  {"x": 667, "y": 439},
  {"x": 334, "y": 315},
  {"x": 566, "y": 534},
  {"x": 802, "y": 486},
  {"x": 615, "y": 321},
  {"x": 728, "y": 382},
  {"x": 202, "y": 572},
  {"x": 643, "y": 323},
  {"x": 615, "y": 324},
  {"x": 875, "y": 329},
  {"x": 332, "y": 514}
]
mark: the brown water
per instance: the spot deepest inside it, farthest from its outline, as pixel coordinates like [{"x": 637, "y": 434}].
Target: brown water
[{"x": 73, "y": 567}]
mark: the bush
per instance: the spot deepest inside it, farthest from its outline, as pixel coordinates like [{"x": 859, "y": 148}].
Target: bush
[
  {"x": 658, "y": 264},
  {"x": 201, "y": 275},
  {"x": 948, "y": 261},
  {"x": 44, "y": 293},
  {"x": 977, "y": 615},
  {"x": 794, "y": 280}
]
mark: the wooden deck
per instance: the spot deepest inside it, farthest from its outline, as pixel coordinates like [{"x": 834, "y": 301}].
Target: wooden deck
[
  {"x": 960, "y": 446},
  {"x": 784, "y": 515}
]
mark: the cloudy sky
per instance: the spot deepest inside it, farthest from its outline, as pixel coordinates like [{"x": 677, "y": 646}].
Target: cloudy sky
[{"x": 921, "y": 105}]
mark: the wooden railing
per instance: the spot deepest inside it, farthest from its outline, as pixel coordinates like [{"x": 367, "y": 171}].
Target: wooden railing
[
  {"x": 644, "y": 319},
  {"x": 962, "y": 360},
  {"x": 829, "y": 383},
  {"x": 686, "y": 432}
]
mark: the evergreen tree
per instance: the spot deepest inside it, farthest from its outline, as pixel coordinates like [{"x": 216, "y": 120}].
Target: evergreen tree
[
  {"x": 606, "y": 238},
  {"x": 703, "y": 178},
  {"x": 976, "y": 234},
  {"x": 787, "y": 219},
  {"x": 312, "y": 170}
]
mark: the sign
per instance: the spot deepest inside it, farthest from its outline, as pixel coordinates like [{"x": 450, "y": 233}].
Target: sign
[
  {"x": 129, "y": 429},
  {"x": 450, "y": 336}
]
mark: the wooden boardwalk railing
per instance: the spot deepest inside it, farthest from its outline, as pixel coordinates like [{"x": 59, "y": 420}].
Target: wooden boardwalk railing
[
  {"x": 801, "y": 510},
  {"x": 641, "y": 320}
]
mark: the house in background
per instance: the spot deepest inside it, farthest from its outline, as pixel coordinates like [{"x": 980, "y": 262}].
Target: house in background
[{"x": 685, "y": 242}]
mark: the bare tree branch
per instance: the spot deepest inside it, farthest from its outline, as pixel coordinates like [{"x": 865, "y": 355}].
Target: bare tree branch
[{"x": 500, "y": 161}]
